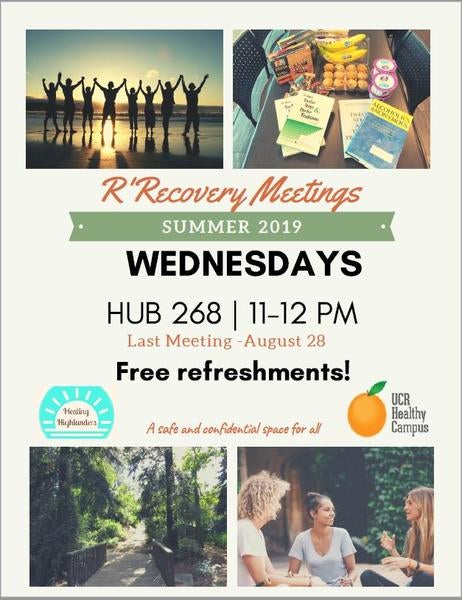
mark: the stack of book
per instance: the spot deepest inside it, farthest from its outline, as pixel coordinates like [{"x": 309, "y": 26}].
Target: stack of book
[{"x": 302, "y": 121}]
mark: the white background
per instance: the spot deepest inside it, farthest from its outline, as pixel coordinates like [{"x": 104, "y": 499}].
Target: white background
[{"x": 55, "y": 292}]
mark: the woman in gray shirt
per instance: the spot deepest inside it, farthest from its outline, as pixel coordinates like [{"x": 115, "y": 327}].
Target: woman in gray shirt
[{"x": 327, "y": 551}]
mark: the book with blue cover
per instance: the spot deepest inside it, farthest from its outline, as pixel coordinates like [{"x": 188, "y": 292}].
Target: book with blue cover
[{"x": 379, "y": 140}]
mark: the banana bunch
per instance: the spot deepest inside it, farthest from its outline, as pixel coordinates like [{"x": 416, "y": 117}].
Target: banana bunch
[
  {"x": 337, "y": 44},
  {"x": 342, "y": 51}
]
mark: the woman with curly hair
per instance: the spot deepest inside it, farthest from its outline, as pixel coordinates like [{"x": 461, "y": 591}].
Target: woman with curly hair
[
  {"x": 416, "y": 560},
  {"x": 259, "y": 502}
]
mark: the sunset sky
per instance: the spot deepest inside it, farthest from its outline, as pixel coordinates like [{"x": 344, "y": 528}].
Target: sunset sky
[{"x": 137, "y": 54}]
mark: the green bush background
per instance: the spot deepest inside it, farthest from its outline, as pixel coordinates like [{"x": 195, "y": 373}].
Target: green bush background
[{"x": 369, "y": 485}]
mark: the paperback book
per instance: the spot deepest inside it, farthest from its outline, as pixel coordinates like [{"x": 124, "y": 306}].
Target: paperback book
[
  {"x": 379, "y": 140},
  {"x": 305, "y": 125},
  {"x": 283, "y": 108},
  {"x": 351, "y": 115}
]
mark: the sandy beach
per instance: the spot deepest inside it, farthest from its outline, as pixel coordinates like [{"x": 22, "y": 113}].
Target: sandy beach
[{"x": 48, "y": 150}]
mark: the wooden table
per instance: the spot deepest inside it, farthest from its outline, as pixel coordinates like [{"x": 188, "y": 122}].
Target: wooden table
[{"x": 264, "y": 153}]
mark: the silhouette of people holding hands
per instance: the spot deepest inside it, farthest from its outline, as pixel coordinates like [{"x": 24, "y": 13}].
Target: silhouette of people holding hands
[
  {"x": 69, "y": 106},
  {"x": 149, "y": 112},
  {"x": 132, "y": 98},
  {"x": 168, "y": 101},
  {"x": 109, "y": 109},
  {"x": 192, "y": 97},
  {"x": 51, "y": 111},
  {"x": 87, "y": 110}
]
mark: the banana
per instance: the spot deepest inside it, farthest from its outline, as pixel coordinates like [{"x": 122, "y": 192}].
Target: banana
[
  {"x": 354, "y": 53},
  {"x": 336, "y": 45}
]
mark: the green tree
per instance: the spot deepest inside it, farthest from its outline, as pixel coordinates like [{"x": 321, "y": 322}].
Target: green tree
[
  {"x": 221, "y": 508},
  {"x": 156, "y": 474},
  {"x": 194, "y": 460},
  {"x": 43, "y": 507},
  {"x": 66, "y": 514},
  {"x": 172, "y": 534},
  {"x": 74, "y": 502}
]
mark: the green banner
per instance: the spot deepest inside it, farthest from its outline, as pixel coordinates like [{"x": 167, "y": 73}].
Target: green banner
[{"x": 229, "y": 227}]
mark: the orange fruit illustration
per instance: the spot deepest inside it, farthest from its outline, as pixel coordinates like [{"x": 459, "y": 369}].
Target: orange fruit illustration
[{"x": 367, "y": 413}]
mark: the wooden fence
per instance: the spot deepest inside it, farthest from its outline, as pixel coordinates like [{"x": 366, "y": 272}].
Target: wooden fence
[
  {"x": 81, "y": 564},
  {"x": 163, "y": 557}
]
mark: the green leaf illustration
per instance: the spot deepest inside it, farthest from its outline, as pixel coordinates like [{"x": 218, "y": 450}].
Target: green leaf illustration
[{"x": 376, "y": 388}]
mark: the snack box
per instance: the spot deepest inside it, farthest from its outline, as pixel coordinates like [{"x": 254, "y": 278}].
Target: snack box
[
  {"x": 353, "y": 77},
  {"x": 300, "y": 36},
  {"x": 291, "y": 62}
]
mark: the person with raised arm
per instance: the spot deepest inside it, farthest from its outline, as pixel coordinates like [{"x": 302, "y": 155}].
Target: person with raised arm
[
  {"x": 149, "y": 111},
  {"x": 51, "y": 110},
  {"x": 192, "y": 100},
  {"x": 132, "y": 98},
  {"x": 416, "y": 560},
  {"x": 69, "y": 105},
  {"x": 168, "y": 100},
  {"x": 109, "y": 108},
  {"x": 87, "y": 110}
]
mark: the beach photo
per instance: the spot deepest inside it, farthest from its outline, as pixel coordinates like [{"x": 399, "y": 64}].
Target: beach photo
[
  {"x": 124, "y": 99},
  {"x": 128, "y": 517},
  {"x": 337, "y": 517}
]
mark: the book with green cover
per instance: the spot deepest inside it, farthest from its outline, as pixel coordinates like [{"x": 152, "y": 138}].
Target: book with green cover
[
  {"x": 306, "y": 123},
  {"x": 283, "y": 107},
  {"x": 379, "y": 140}
]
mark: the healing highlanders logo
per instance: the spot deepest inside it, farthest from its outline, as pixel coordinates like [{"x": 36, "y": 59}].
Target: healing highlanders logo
[{"x": 68, "y": 412}]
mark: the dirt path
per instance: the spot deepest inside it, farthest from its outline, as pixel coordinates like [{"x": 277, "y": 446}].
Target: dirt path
[{"x": 129, "y": 564}]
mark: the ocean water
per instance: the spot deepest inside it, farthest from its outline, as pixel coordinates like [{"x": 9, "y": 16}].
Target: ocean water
[{"x": 123, "y": 149}]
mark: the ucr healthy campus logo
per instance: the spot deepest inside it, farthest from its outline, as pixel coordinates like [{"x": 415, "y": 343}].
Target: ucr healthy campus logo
[{"x": 76, "y": 412}]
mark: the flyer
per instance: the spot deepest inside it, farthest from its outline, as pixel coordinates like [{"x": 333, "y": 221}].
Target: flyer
[{"x": 225, "y": 368}]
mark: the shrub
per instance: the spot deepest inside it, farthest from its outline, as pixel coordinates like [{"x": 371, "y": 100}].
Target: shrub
[
  {"x": 108, "y": 531},
  {"x": 218, "y": 539},
  {"x": 188, "y": 548}
]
